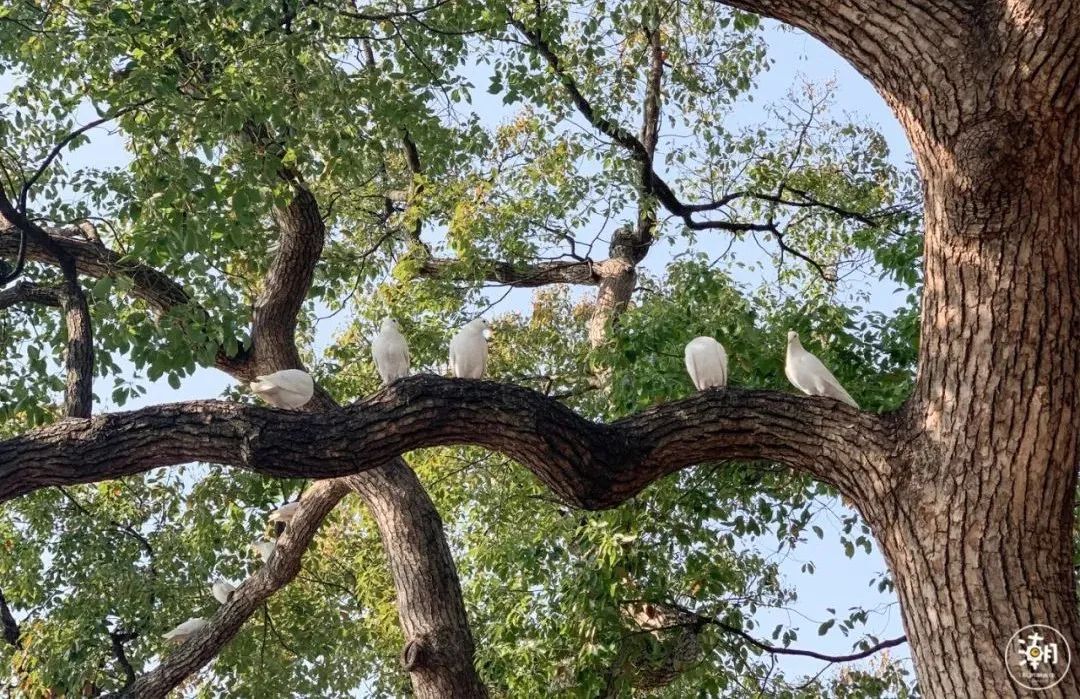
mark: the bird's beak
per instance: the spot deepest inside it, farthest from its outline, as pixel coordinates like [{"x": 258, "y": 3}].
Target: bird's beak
[{"x": 489, "y": 333}]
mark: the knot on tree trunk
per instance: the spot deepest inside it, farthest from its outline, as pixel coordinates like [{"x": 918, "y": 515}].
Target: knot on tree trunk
[
  {"x": 990, "y": 157},
  {"x": 416, "y": 654}
]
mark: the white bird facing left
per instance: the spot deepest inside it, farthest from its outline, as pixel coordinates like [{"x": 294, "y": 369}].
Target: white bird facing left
[
  {"x": 391, "y": 352},
  {"x": 809, "y": 375},
  {"x": 288, "y": 388},
  {"x": 185, "y": 631},
  {"x": 469, "y": 350},
  {"x": 706, "y": 362},
  {"x": 285, "y": 513},
  {"x": 222, "y": 590}
]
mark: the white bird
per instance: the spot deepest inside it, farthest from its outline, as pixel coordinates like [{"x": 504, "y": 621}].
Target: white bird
[
  {"x": 469, "y": 350},
  {"x": 222, "y": 590},
  {"x": 264, "y": 548},
  {"x": 706, "y": 362},
  {"x": 285, "y": 513},
  {"x": 185, "y": 631},
  {"x": 288, "y": 388},
  {"x": 391, "y": 352},
  {"x": 809, "y": 375}
]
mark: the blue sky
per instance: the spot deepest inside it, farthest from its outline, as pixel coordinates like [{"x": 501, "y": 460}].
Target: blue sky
[{"x": 839, "y": 582}]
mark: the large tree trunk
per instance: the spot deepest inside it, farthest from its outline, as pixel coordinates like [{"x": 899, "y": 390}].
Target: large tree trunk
[
  {"x": 976, "y": 517},
  {"x": 980, "y": 535},
  {"x": 438, "y": 652}
]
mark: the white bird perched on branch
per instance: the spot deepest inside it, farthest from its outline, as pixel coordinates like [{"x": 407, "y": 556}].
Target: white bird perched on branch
[
  {"x": 706, "y": 362},
  {"x": 285, "y": 513},
  {"x": 264, "y": 548},
  {"x": 809, "y": 375},
  {"x": 288, "y": 388},
  {"x": 469, "y": 350},
  {"x": 222, "y": 590},
  {"x": 185, "y": 631},
  {"x": 391, "y": 352}
]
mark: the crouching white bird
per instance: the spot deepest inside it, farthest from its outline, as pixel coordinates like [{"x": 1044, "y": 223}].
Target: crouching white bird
[
  {"x": 264, "y": 548},
  {"x": 285, "y": 513},
  {"x": 391, "y": 352},
  {"x": 469, "y": 350},
  {"x": 288, "y": 388},
  {"x": 222, "y": 590},
  {"x": 185, "y": 631},
  {"x": 809, "y": 375},
  {"x": 706, "y": 362}
]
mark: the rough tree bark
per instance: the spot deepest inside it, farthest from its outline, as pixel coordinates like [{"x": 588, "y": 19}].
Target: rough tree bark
[
  {"x": 432, "y": 609},
  {"x": 439, "y": 648},
  {"x": 977, "y": 522},
  {"x": 970, "y": 487}
]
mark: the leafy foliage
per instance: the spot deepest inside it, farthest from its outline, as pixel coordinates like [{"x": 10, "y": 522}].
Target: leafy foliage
[{"x": 508, "y": 171}]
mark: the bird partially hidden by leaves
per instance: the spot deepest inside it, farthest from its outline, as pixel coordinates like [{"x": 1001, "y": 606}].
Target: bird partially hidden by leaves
[
  {"x": 289, "y": 388},
  {"x": 185, "y": 630},
  {"x": 264, "y": 548},
  {"x": 222, "y": 590},
  {"x": 706, "y": 362},
  {"x": 469, "y": 350},
  {"x": 809, "y": 375},
  {"x": 391, "y": 352}
]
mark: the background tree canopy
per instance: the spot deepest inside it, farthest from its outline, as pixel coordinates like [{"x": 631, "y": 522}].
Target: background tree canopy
[{"x": 567, "y": 169}]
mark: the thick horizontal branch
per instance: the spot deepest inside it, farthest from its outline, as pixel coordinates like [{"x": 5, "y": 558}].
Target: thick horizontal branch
[
  {"x": 29, "y": 292},
  {"x": 93, "y": 260},
  {"x": 588, "y": 464},
  {"x": 524, "y": 276}
]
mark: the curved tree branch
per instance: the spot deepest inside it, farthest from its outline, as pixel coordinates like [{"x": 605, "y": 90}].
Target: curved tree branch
[
  {"x": 148, "y": 284},
  {"x": 29, "y": 292},
  {"x": 588, "y": 464},
  {"x": 878, "y": 36},
  {"x": 300, "y": 243},
  {"x": 781, "y": 650}
]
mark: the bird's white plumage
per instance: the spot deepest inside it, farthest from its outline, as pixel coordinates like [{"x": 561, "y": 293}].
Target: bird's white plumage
[
  {"x": 391, "y": 352},
  {"x": 184, "y": 631},
  {"x": 222, "y": 590},
  {"x": 264, "y": 548},
  {"x": 706, "y": 362},
  {"x": 809, "y": 375},
  {"x": 288, "y": 388},
  {"x": 469, "y": 350},
  {"x": 285, "y": 513}
]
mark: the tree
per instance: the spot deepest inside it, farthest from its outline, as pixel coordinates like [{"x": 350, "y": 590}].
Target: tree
[{"x": 287, "y": 154}]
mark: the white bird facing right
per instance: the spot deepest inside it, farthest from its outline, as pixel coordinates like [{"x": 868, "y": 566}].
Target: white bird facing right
[
  {"x": 391, "y": 352},
  {"x": 469, "y": 350},
  {"x": 809, "y": 375},
  {"x": 264, "y": 548},
  {"x": 288, "y": 388},
  {"x": 185, "y": 631},
  {"x": 222, "y": 590},
  {"x": 285, "y": 513},
  {"x": 706, "y": 362}
]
